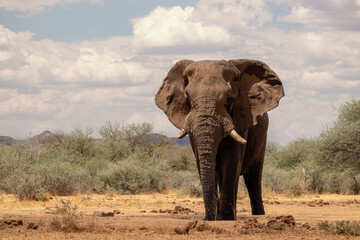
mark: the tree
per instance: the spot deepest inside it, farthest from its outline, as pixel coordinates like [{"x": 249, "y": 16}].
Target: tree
[
  {"x": 79, "y": 141},
  {"x": 290, "y": 156},
  {"x": 137, "y": 134},
  {"x": 340, "y": 143},
  {"x": 126, "y": 138},
  {"x": 114, "y": 147}
]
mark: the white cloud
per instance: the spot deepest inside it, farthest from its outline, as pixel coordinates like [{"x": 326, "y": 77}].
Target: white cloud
[
  {"x": 324, "y": 15},
  {"x": 234, "y": 14},
  {"x": 52, "y": 85},
  {"x": 325, "y": 81},
  {"x": 177, "y": 30},
  {"x": 45, "y": 63},
  {"x": 15, "y": 104},
  {"x": 68, "y": 85},
  {"x": 33, "y": 7}
]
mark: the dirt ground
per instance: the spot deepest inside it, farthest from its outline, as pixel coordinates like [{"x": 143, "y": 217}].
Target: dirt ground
[{"x": 171, "y": 216}]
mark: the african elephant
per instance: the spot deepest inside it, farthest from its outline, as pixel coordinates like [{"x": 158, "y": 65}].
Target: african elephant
[{"x": 222, "y": 106}]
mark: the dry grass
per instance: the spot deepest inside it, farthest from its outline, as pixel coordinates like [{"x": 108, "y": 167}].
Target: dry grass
[
  {"x": 72, "y": 217},
  {"x": 67, "y": 217}
]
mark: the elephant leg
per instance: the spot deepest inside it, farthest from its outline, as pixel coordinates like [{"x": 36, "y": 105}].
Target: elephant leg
[
  {"x": 253, "y": 185},
  {"x": 228, "y": 196},
  {"x": 254, "y": 161},
  {"x": 229, "y": 170}
]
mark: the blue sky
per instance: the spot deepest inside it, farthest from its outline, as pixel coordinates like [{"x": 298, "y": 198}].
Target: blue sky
[
  {"x": 78, "y": 63},
  {"x": 83, "y": 20}
]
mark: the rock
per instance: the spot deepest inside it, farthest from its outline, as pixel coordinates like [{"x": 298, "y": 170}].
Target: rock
[
  {"x": 177, "y": 210},
  {"x": 289, "y": 220},
  {"x": 103, "y": 214},
  {"x": 14, "y": 222},
  {"x": 185, "y": 229},
  {"x": 117, "y": 211},
  {"x": 280, "y": 222},
  {"x": 203, "y": 227},
  {"x": 32, "y": 225},
  {"x": 252, "y": 223},
  {"x": 306, "y": 225}
]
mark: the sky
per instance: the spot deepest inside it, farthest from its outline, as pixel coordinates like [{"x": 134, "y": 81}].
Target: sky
[{"x": 67, "y": 64}]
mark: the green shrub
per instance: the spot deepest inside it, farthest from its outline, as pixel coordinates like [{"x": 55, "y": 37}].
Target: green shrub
[
  {"x": 15, "y": 177},
  {"x": 192, "y": 188},
  {"x": 275, "y": 179},
  {"x": 95, "y": 164},
  {"x": 134, "y": 175},
  {"x": 187, "y": 181},
  {"x": 341, "y": 227},
  {"x": 63, "y": 178},
  {"x": 79, "y": 141},
  {"x": 347, "y": 227},
  {"x": 126, "y": 159},
  {"x": 316, "y": 182},
  {"x": 25, "y": 187}
]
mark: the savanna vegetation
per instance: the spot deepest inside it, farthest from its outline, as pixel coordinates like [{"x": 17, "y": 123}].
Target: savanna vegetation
[{"x": 127, "y": 159}]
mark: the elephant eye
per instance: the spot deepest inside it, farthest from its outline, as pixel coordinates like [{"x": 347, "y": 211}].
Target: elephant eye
[
  {"x": 230, "y": 100},
  {"x": 187, "y": 101},
  {"x": 229, "y": 103},
  {"x": 186, "y": 81}
]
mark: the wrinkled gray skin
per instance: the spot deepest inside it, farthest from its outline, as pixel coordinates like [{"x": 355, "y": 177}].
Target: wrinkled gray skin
[{"x": 208, "y": 100}]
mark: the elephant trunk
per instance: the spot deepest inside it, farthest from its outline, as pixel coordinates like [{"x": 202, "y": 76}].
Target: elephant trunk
[
  {"x": 206, "y": 130},
  {"x": 207, "y": 135}
]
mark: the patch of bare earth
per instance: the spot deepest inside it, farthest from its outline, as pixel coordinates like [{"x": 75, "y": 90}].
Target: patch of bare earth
[{"x": 170, "y": 216}]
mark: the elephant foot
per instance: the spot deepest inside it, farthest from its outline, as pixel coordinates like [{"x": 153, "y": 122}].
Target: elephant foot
[
  {"x": 225, "y": 217},
  {"x": 258, "y": 212},
  {"x": 210, "y": 216},
  {"x": 209, "y": 219}
]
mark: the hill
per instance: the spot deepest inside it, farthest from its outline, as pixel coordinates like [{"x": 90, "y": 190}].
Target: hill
[
  {"x": 155, "y": 137},
  {"x": 48, "y": 137},
  {"x": 44, "y": 137},
  {"x": 6, "y": 140}
]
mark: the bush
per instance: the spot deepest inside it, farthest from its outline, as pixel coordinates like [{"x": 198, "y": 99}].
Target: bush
[
  {"x": 79, "y": 141},
  {"x": 63, "y": 178},
  {"x": 316, "y": 182},
  {"x": 341, "y": 227},
  {"x": 128, "y": 159},
  {"x": 125, "y": 160},
  {"x": 25, "y": 187},
  {"x": 134, "y": 175},
  {"x": 15, "y": 177},
  {"x": 187, "y": 181},
  {"x": 180, "y": 158}
]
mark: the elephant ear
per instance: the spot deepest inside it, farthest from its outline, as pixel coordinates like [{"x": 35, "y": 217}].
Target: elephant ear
[
  {"x": 260, "y": 90},
  {"x": 171, "y": 98}
]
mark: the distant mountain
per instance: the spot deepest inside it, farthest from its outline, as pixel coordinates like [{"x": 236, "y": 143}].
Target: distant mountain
[
  {"x": 6, "y": 140},
  {"x": 156, "y": 137},
  {"x": 182, "y": 142},
  {"x": 44, "y": 137},
  {"x": 49, "y": 137}
]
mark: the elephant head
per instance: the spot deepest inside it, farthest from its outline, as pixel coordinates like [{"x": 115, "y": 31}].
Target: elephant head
[{"x": 209, "y": 100}]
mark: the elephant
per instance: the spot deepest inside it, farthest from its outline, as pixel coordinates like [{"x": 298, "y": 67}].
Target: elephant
[{"x": 222, "y": 106}]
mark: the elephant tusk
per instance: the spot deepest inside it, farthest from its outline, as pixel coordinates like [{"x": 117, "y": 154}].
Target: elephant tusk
[
  {"x": 237, "y": 137},
  {"x": 181, "y": 134}
]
